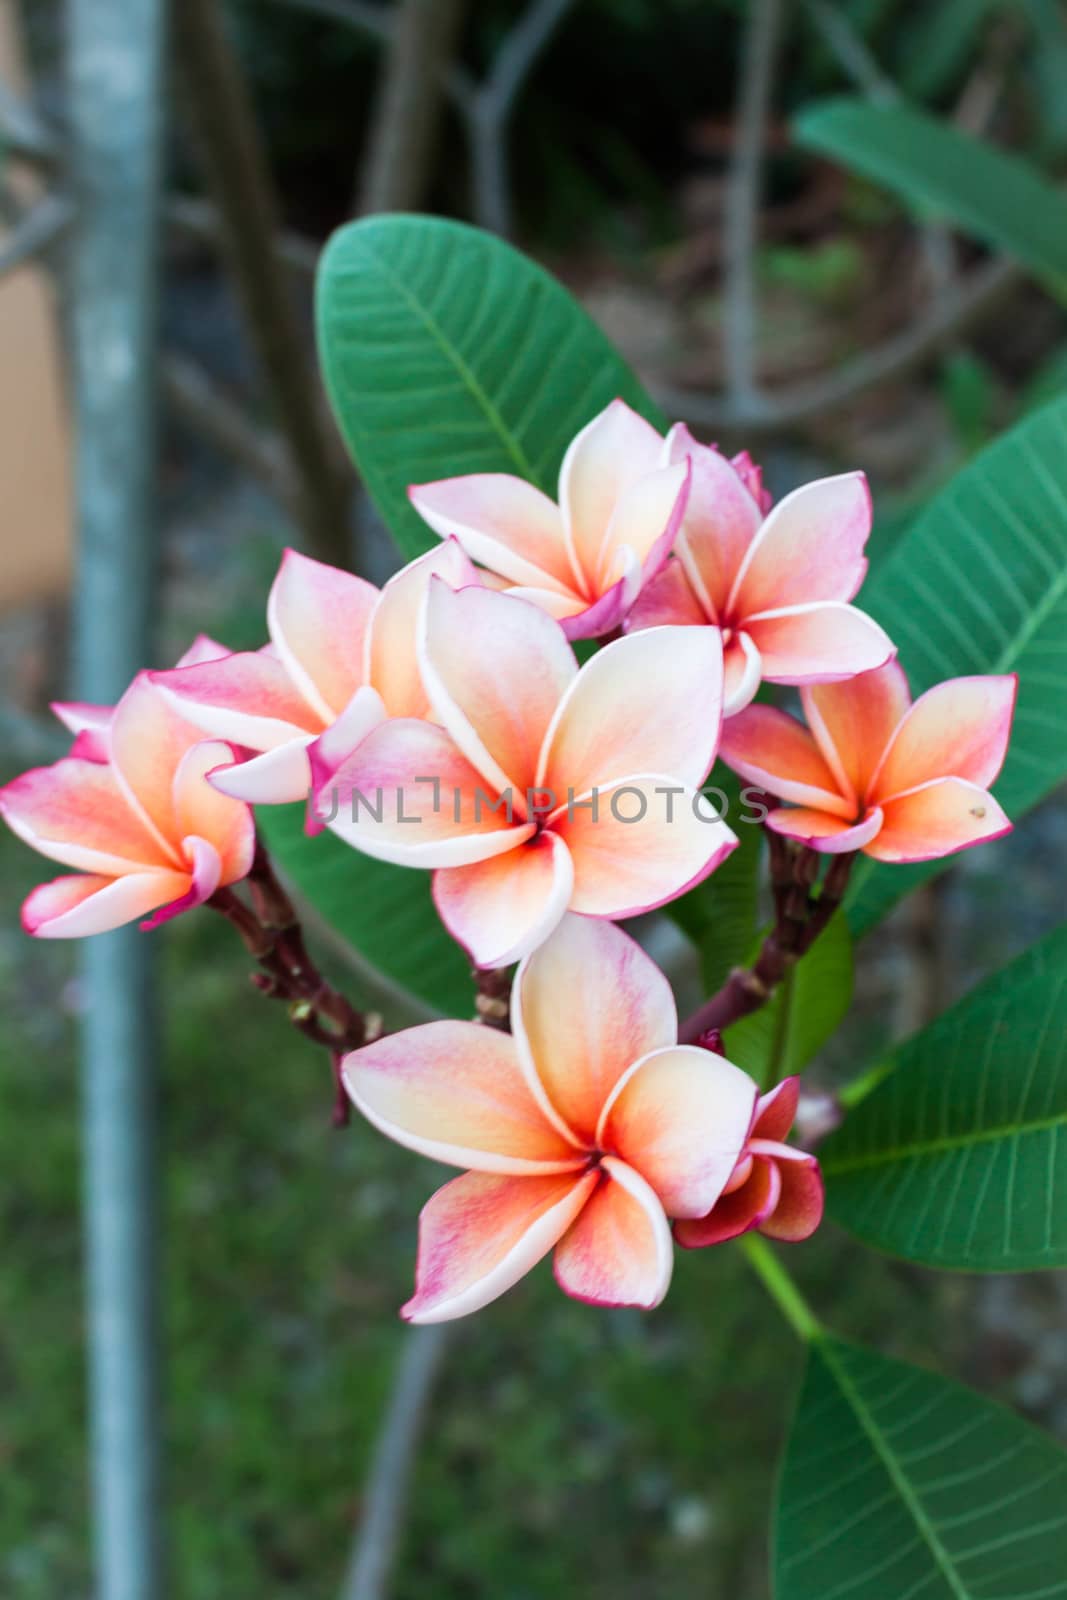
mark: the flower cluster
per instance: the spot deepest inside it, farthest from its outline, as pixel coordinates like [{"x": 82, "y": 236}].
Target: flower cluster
[{"x": 444, "y": 722}]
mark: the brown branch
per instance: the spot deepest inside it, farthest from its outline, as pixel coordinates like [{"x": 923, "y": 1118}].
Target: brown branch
[
  {"x": 198, "y": 219},
  {"x": 403, "y": 140},
  {"x": 236, "y": 171},
  {"x": 800, "y": 917},
  {"x": 205, "y": 407}
]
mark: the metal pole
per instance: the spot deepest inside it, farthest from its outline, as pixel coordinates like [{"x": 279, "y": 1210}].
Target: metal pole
[{"x": 116, "y": 50}]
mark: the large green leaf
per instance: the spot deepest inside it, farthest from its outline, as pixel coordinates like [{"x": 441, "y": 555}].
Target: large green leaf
[
  {"x": 932, "y": 166},
  {"x": 958, "y": 1158},
  {"x": 807, "y": 1009},
  {"x": 899, "y": 1485},
  {"x": 446, "y": 351},
  {"x": 384, "y": 913},
  {"x": 979, "y": 584}
]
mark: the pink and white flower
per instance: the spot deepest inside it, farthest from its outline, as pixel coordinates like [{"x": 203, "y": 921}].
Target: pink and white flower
[
  {"x": 583, "y": 1133},
  {"x": 543, "y": 788},
  {"x": 584, "y": 561},
  {"x": 777, "y": 585},
  {"x": 341, "y": 659},
  {"x": 136, "y": 819},
  {"x": 774, "y": 1188},
  {"x": 873, "y": 772}
]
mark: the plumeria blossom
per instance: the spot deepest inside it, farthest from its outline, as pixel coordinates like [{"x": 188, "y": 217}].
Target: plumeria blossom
[
  {"x": 543, "y": 787},
  {"x": 582, "y": 1132},
  {"x": 777, "y": 585},
  {"x": 340, "y": 660},
  {"x": 136, "y": 819},
  {"x": 874, "y": 772},
  {"x": 775, "y": 1187},
  {"x": 91, "y": 724},
  {"x": 584, "y": 561}
]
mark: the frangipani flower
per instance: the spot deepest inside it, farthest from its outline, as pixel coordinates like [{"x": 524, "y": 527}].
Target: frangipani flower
[
  {"x": 583, "y": 1132},
  {"x": 777, "y": 585},
  {"x": 544, "y": 787},
  {"x": 775, "y": 1187},
  {"x": 901, "y": 782},
  {"x": 340, "y": 660},
  {"x": 91, "y": 724},
  {"x": 585, "y": 560},
  {"x": 144, "y": 830}
]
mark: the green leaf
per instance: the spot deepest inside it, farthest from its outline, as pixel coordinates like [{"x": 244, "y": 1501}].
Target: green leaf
[
  {"x": 958, "y": 1158},
  {"x": 807, "y": 1009},
  {"x": 445, "y": 351},
  {"x": 721, "y": 914},
  {"x": 979, "y": 584},
  {"x": 897, "y": 1483},
  {"x": 384, "y": 913},
  {"x": 934, "y": 168}
]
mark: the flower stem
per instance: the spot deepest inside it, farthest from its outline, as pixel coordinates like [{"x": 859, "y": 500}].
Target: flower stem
[{"x": 781, "y": 1288}]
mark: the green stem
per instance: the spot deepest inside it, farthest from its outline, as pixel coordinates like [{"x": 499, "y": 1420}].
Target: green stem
[
  {"x": 852, "y": 1093},
  {"x": 780, "y": 1040},
  {"x": 781, "y": 1288}
]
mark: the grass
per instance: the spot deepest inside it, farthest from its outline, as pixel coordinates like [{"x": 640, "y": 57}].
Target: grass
[{"x": 569, "y": 1451}]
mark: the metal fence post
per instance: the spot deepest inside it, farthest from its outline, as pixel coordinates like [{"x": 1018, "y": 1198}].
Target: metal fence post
[{"x": 116, "y": 82}]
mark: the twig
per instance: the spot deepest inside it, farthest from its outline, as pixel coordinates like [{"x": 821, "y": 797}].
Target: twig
[
  {"x": 402, "y": 143},
  {"x": 389, "y": 1477},
  {"x": 952, "y": 312},
  {"x": 35, "y": 231},
  {"x": 489, "y": 108},
  {"x": 200, "y": 220},
  {"x": 799, "y": 920},
  {"x": 236, "y": 170},
  {"x": 22, "y": 132},
  {"x": 198, "y": 400},
  {"x": 852, "y": 53},
  {"x": 741, "y": 220},
  {"x": 492, "y": 1002}
]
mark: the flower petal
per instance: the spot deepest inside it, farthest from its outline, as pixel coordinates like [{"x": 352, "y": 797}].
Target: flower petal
[
  {"x": 203, "y": 648},
  {"x": 274, "y": 778},
  {"x": 148, "y": 740},
  {"x": 958, "y": 729},
  {"x": 773, "y": 749},
  {"x": 742, "y": 674},
  {"x": 638, "y": 843},
  {"x": 777, "y": 1109},
  {"x": 800, "y": 1203},
  {"x": 407, "y": 795},
  {"x": 853, "y": 723},
  {"x": 456, "y": 1092},
  {"x": 91, "y": 726},
  {"x": 495, "y": 670},
  {"x": 650, "y": 702},
  {"x": 810, "y": 547},
  {"x": 247, "y": 698},
  {"x": 822, "y": 831},
  {"x": 326, "y": 754},
  {"x": 738, "y": 1212},
  {"x": 200, "y": 810},
  {"x": 584, "y": 1007},
  {"x": 205, "y": 875},
  {"x": 503, "y": 523},
  {"x": 937, "y": 819},
  {"x": 721, "y": 521},
  {"x": 480, "y": 1234},
  {"x": 84, "y": 904},
  {"x": 668, "y": 599},
  {"x": 609, "y": 611},
  {"x": 317, "y": 616},
  {"x": 391, "y": 664},
  {"x": 819, "y": 643},
  {"x": 75, "y": 812},
  {"x": 646, "y": 520},
  {"x": 601, "y": 463},
  {"x": 680, "y": 1116},
  {"x": 618, "y": 1251},
  {"x": 501, "y": 909}
]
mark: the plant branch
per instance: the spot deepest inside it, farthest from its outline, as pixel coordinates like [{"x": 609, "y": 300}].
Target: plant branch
[
  {"x": 741, "y": 221},
  {"x": 800, "y": 917},
  {"x": 236, "y": 171},
  {"x": 22, "y": 132},
  {"x": 35, "y": 231},
  {"x": 204, "y": 406},
  {"x": 953, "y": 312},
  {"x": 393, "y": 1462},
  {"x": 201, "y": 220},
  {"x": 781, "y": 1288}
]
